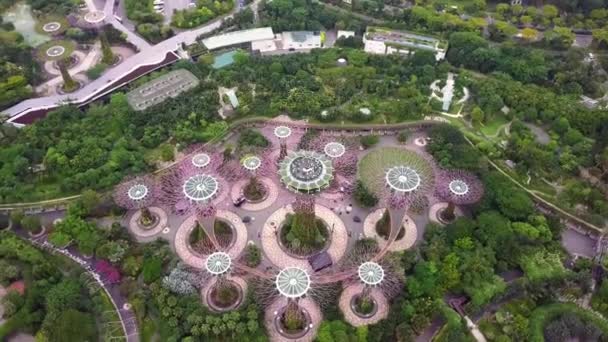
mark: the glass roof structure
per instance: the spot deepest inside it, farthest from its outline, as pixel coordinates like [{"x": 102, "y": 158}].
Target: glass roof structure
[
  {"x": 306, "y": 171},
  {"x": 334, "y": 149},
  {"x": 403, "y": 179},
  {"x": 201, "y": 160},
  {"x": 137, "y": 192},
  {"x": 371, "y": 273},
  {"x": 459, "y": 187},
  {"x": 252, "y": 163},
  {"x": 218, "y": 263},
  {"x": 282, "y": 132},
  {"x": 200, "y": 188},
  {"x": 293, "y": 282}
]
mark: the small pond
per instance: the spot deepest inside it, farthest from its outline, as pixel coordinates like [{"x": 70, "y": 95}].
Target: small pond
[
  {"x": 223, "y": 59},
  {"x": 21, "y": 16}
]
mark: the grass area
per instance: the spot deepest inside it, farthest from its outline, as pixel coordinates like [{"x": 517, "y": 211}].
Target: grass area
[
  {"x": 373, "y": 166},
  {"x": 491, "y": 129},
  {"x": 68, "y": 45},
  {"x": 61, "y": 20}
]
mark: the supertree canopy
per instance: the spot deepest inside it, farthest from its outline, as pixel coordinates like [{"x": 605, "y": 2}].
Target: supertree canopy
[
  {"x": 293, "y": 282},
  {"x": 306, "y": 171},
  {"x": 135, "y": 193},
  {"x": 188, "y": 187},
  {"x": 397, "y": 175},
  {"x": 457, "y": 188}
]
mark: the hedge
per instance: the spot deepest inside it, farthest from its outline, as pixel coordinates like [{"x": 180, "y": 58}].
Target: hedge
[{"x": 545, "y": 314}]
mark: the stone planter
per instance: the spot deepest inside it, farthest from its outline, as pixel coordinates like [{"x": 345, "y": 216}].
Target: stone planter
[
  {"x": 278, "y": 325},
  {"x": 215, "y": 307},
  {"x": 353, "y": 307},
  {"x": 300, "y": 256}
]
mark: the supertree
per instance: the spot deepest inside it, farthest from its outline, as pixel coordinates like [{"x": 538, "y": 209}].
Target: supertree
[
  {"x": 223, "y": 294},
  {"x": 138, "y": 193},
  {"x": 254, "y": 190},
  {"x": 457, "y": 188},
  {"x": 187, "y": 188}
]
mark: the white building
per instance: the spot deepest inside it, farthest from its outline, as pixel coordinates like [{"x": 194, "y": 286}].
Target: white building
[
  {"x": 238, "y": 37},
  {"x": 386, "y": 41},
  {"x": 290, "y": 41}
]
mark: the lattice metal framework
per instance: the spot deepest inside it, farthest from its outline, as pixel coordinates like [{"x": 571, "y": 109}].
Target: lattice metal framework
[{"x": 293, "y": 282}]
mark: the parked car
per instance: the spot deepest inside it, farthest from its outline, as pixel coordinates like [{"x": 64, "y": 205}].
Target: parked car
[{"x": 237, "y": 202}]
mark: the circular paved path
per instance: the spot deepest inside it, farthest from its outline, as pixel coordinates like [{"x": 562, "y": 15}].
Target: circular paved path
[
  {"x": 313, "y": 310},
  {"x": 271, "y": 187},
  {"x": 354, "y": 320},
  {"x": 136, "y": 229},
  {"x": 182, "y": 236},
  {"x": 406, "y": 242},
  {"x": 240, "y": 281},
  {"x": 278, "y": 257},
  {"x": 434, "y": 209}
]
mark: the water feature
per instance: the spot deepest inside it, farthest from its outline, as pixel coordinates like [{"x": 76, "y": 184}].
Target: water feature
[
  {"x": 21, "y": 16},
  {"x": 223, "y": 59}
]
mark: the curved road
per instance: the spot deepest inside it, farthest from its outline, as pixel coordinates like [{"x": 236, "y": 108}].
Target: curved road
[
  {"x": 148, "y": 55},
  {"x": 127, "y": 317}
]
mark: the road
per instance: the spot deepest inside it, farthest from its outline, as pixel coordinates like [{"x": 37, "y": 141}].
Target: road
[
  {"x": 128, "y": 321},
  {"x": 147, "y": 55}
]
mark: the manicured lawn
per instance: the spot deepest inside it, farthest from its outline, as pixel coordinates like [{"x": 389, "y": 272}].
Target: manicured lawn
[
  {"x": 61, "y": 20},
  {"x": 68, "y": 45},
  {"x": 374, "y": 165}
]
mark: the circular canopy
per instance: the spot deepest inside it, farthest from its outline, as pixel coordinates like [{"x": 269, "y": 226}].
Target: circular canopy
[
  {"x": 200, "y": 188},
  {"x": 293, "y": 282},
  {"x": 94, "y": 17},
  {"x": 306, "y": 171},
  {"x": 282, "y": 131},
  {"x": 334, "y": 149},
  {"x": 403, "y": 178},
  {"x": 252, "y": 163},
  {"x": 459, "y": 187},
  {"x": 55, "y": 51},
  {"x": 51, "y": 27},
  {"x": 371, "y": 273},
  {"x": 218, "y": 263},
  {"x": 137, "y": 192},
  {"x": 201, "y": 160}
]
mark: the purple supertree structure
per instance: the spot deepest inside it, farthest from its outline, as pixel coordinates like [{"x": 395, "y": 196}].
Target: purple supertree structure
[
  {"x": 457, "y": 188},
  {"x": 137, "y": 193},
  {"x": 304, "y": 204},
  {"x": 187, "y": 188}
]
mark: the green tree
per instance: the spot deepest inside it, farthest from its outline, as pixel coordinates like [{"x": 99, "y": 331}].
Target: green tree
[
  {"x": 32, "y": 224},
  {"x": 107, "y": 54},
  {"x": 73, "y": 326}
]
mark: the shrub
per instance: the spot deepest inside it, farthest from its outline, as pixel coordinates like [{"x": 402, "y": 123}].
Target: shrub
[
  {"x": 31, "y": 224},
  {"x": 363, "y": 196},
  {"x": 368, "y": 141},
  {"x": 253, "y": 256},
  {"x": 402, "y": 137},
  {"x": 253, "y": 138},
  {"x": 152, "y": 269},
  {"x": 96, "y": 71}
]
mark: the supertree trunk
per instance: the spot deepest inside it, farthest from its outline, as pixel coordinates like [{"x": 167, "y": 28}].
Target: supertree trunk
[
  {"x": 146, "y": 216},
  {"x": 293, "y": 318},
  {"x": 107, "y": 54},
  {"x": 283, "y": 152},
  {"x": 448, "y": 213},
  {"x": 68, "y": 82}
]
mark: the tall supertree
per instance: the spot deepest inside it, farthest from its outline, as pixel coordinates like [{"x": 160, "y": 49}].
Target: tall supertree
[
  {"x": 138, "y": 193},
  {"x": 192, "y": 185},
  {"x": 69, "y": 84},
  {"x": 457, "y": 188},
  {"x": 254, "y": 190}
]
